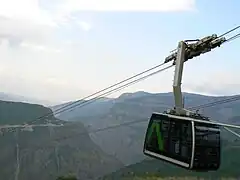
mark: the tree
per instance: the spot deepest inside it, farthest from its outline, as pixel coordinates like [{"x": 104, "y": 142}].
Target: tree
[{"x": 69, "y": 177}]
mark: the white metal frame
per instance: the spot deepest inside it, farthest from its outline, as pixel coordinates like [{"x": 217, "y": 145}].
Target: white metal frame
[
  {"x": 186, "y": 165},
  {"x": 198, "y": 120},
  {"x": 193, "y": 145}
]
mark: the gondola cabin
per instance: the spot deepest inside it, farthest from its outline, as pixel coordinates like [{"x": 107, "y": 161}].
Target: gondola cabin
[{"x": 181, "y": 141}]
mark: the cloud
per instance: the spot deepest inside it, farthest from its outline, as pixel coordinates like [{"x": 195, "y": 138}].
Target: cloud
[
  {"x": 31, "y": 21},
  {"x": 217, "y": 83},
  {"x": 126, "y": 5},
  {"x": 54, "y": 89},
  {"x": 24, "y": 21},
  {"x": 39, "y": 79},
  {"x": 65, "y": 9},
  {"x": 84, "y": 25},
  {"x": 23, "y": 30},
  {"x": 36, "y": 70},
  {"x": 28, "y": 10},
  {"x": 37, "y": 47}
]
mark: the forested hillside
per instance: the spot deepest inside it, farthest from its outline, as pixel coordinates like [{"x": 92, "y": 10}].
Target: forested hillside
[
  {"x": 46, "y": 153},
  {"x": 153, "y": 169}
]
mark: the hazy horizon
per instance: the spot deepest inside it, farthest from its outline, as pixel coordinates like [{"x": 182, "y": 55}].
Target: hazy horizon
[{"x": 48, "y": 103}]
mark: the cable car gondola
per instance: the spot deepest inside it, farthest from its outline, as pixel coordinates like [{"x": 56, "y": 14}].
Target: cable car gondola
[
  {"x": 182, "y": 137},
  {"x": 183, "y": 142}
]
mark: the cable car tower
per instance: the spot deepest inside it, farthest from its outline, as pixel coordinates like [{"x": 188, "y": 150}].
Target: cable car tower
[{"x": 179, "y": 136}]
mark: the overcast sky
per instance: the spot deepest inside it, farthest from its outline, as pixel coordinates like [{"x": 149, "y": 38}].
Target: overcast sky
[{"x": 61, "y": 50}]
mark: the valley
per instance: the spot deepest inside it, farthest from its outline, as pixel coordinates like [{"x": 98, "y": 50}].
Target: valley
[
  {"x": 75, "y": 148},
  {"x": 46, "y": 153}
]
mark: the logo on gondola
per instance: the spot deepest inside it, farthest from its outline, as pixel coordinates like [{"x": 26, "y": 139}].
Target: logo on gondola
[{"x": 155, "y": 126}]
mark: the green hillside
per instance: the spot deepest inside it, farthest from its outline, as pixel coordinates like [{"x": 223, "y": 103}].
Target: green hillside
[
  {"x": 151, "y": 168},
  {"x": 19, "y": 113},
  {"x": 46, "y": 153}
]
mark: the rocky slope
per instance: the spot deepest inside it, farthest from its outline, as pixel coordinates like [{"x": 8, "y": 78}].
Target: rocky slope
[{"x": 46, "y": 153}]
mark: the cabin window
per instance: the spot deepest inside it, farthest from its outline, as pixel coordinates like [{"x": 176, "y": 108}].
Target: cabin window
[
  {"x": 170, "y": 137},
  {"x": 207, "y": 149}
]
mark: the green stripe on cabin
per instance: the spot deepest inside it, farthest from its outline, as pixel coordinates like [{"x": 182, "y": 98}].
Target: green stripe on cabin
[{"x": 156, "y": 126}]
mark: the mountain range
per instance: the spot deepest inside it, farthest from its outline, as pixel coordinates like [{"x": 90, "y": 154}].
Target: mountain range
[{"x": 126, "y": 142}]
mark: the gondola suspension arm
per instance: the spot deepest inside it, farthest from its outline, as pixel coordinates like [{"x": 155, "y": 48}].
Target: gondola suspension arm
[{"x": 185, "y": 52}]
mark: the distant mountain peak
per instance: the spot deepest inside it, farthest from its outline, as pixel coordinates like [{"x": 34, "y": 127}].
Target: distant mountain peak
[{"x": 134, "y": 94}]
